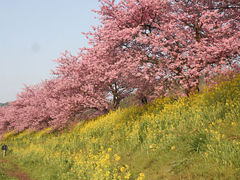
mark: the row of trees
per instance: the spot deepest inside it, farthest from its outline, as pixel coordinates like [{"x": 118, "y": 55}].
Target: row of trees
[{"x": 145, "y": 47}]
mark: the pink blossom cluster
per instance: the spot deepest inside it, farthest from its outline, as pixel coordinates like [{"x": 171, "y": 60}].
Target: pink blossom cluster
[{"x": 146, "y": 47}]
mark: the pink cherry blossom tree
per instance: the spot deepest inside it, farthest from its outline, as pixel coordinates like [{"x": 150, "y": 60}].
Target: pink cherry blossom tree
[
  {"x": 143, "y": 47},
  {"x": 179, "y": 40}
]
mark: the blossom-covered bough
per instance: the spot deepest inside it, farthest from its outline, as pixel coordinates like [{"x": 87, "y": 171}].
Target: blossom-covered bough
[{"x": 146, "y": 47}]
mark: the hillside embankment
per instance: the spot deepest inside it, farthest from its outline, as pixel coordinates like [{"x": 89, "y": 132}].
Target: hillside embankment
[{"x": 190, "y": 138}]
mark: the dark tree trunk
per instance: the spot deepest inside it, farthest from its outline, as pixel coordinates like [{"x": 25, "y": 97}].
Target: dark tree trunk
[{"x": 144, "y": 100}]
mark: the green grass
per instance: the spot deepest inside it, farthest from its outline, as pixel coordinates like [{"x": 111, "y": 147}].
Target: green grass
[
  {"x": 3, "y": 168},
  {"x": 191, "y": 138},
  {"x": 3, "y": 176}
]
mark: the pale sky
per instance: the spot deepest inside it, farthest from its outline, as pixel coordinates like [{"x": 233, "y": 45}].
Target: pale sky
[{"x": 33, "y": 33}]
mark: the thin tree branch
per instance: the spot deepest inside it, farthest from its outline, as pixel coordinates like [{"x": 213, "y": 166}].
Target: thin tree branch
[{"x": 227, "y": 7}]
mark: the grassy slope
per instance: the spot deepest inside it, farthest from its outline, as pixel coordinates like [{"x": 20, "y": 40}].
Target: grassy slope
[
  {"x": 4, "y": 169},
  {"x": 194, "y": 138}
]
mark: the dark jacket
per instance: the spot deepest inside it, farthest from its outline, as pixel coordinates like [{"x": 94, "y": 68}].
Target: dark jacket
[{"x": 4, "y": 147}]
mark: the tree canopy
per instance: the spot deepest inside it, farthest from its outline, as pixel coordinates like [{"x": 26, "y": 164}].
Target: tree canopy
[{"x": 142, "y": 47}]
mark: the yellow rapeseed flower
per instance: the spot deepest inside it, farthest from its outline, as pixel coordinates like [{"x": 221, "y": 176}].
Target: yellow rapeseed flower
[
  {"x": 122, "y": 169},
  {"x": 117, "y": 158},
  {"x": 107, "y": 156},
  {"x": 127, "y": 176},
  {"x": 141, "y": 176},
  {"x": 107, "y": 173},
  {"x": 173, "y": 147}
]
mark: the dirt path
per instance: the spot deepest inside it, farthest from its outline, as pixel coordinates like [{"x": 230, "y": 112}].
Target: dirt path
[{"x": 14, "y": 171}]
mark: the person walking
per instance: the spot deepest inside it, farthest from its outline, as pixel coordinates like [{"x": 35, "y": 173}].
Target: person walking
[{"x": 4, "y": 149}]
